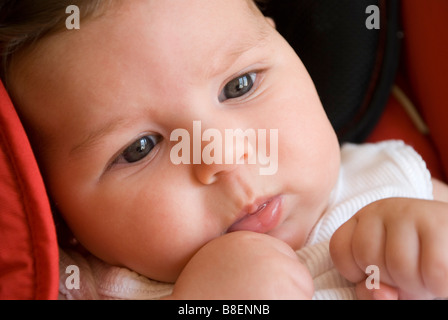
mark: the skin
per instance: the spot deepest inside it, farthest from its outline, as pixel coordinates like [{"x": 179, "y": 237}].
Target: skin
[
  {"x": 86, "y": 95},
  {"x": 244, "y": 265}
]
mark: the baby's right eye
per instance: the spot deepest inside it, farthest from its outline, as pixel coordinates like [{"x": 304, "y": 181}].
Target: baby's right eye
[
  {"x": 138, "y": 150},
  {"x": 238, "y": 87}
]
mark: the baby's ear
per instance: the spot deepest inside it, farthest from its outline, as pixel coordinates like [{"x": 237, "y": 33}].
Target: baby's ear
[{"x": 270, "y": 21}]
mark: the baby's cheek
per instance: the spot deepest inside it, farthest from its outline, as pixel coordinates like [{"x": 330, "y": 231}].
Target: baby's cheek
[{"x": 168, "y": 252}]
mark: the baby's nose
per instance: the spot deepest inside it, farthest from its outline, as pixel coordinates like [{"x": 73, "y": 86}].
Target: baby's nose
[{"x": 223, "y": 158}]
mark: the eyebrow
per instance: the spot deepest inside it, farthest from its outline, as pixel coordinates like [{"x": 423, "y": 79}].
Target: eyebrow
[
  {"x": 95, "y": 136},
  {"x": 236, "y": 51}
]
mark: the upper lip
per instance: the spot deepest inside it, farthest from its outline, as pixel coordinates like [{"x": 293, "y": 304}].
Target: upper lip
[{"x": 253, "y": 207}]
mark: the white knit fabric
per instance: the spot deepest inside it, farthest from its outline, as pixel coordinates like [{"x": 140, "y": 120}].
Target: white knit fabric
[{"x": 369, "y": 172}]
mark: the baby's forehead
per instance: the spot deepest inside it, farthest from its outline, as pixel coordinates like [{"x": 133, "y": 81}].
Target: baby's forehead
[{"x": 191, "y": 29}]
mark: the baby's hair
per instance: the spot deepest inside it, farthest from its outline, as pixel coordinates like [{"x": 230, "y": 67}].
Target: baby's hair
[{"x": 24, "y": 22}]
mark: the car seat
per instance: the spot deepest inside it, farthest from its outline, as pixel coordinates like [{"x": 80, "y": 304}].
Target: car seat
[{"x": 370, "y": 89}]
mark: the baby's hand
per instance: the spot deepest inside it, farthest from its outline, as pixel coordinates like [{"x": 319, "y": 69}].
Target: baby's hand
[
  {"x": 407, "y": 239},
  {"x": 244, "y": 265}
]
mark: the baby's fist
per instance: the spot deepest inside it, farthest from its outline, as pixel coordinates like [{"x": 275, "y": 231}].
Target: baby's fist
[{"x": 245, "y": 265}]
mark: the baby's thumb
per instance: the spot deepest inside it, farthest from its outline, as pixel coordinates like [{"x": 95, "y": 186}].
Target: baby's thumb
[{"x": 384, "y": 292}]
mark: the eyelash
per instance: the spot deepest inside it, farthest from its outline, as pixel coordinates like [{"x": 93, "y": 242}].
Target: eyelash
[{"x": 150, "y": 141}]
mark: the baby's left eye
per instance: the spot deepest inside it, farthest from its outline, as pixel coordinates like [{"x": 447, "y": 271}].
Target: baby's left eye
[
  {"x": 138, "y": 150},
  {"x": 238, "y": 87}
]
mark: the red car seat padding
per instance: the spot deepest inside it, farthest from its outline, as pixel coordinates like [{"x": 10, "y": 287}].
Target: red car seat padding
[
  {"x": 425, "y": 57},
  {"x": 29, "y": 266}
]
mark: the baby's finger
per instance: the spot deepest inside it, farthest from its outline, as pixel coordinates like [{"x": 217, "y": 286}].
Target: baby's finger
[
  {"x": 341, "y": 252},
  {"x": 434, "y": 259},
  {"x": 402, "y": 256},
  {"x": 369, "y": 243}
]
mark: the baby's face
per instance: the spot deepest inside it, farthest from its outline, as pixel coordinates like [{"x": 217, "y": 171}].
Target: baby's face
[{"x": 101, "y": 104}]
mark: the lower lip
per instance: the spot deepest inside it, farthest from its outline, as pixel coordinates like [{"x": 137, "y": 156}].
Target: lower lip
[{"x": 263, "y": 221}]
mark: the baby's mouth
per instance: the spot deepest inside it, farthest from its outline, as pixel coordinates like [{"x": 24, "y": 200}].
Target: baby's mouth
[
  {"x": 260, "y": 208},
  {"x": 259, "y": 218}
]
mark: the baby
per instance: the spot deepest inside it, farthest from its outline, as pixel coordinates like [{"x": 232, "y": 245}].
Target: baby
[{"x": 100, "y": 103}]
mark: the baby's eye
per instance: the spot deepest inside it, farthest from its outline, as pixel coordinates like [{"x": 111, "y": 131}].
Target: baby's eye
[
  {"x": 238, "y": 87},
  {"x": 138, "y": 150}
]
